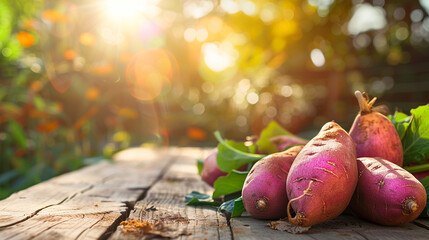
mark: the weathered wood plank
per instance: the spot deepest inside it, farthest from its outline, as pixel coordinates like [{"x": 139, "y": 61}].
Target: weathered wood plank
[
  {"x": 343, "y": 227},
  {"x": 165, "y": 202},
  {"x": 83, "y": 204},
  {"x": 422, "y": 222}
]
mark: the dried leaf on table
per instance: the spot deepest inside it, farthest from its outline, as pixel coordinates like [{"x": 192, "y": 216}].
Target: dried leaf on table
[{"x": 284, "y": 225}]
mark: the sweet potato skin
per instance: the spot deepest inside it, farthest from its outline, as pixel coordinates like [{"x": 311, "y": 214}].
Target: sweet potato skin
[
  {"x": 375, "y": 136},
  {"x": 211, "y": 171},
  {"x": 282, "y": 142},
  {"x": 323, "y": 177},
  {"x": 264, "y": 190},
  {"x": 383, "y": 192}
]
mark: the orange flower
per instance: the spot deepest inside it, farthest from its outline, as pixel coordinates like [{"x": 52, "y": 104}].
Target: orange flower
[
  {"x": 48, "y": 126},
  {"x": 25, "y": 39},
  {"x": 69, "y": 54},
  {"x": 196, "y": 133},
  {"x": 92, "y": 94}
]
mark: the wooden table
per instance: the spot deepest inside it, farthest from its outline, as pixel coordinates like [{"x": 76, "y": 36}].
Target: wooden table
[{"x": 149, "y": 186}]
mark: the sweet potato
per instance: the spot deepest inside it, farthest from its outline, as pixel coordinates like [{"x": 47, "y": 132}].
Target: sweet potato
[
  {"x": 211, "y": 172},
  {"x": 322, "y": 178},
  {"x": 264, "y": 190},
  {"x": 282, "y": 142},
  {"x": 387, "y": 194},
  {"x": 374, "y": 134}
]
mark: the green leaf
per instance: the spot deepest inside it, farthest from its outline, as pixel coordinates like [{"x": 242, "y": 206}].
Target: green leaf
[
  {"x": 200, "y": 165},
  {"x": 273, "y": 129},
  {"x": 199, "y": 199},
  {"x": 230, "y": 183},
  {"x": 39, "y": 103},
  {"x": 265, "y": 142},
  {"x": 230, "y": 158},
  {"x": 401, "y": 122},
  {"x": 425, "y": 182},
  {"x": 415, "y": 141},
  {"x": 18, "y": 134},
  {"x": 234, "y": 207}
]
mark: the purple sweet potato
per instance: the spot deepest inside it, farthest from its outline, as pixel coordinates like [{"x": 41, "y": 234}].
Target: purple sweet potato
[
  {"x": 386, "y": 193},
  {"x": 374, "y": 135},
  {"x": 282, "y": 142},
  {"x": 211, "y": 172},
  {"x": 264, "y": 190},
  {"x": 322, "y": 178}
]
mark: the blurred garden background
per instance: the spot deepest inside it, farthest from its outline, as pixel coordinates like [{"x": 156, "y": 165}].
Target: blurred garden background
[{"x": 81, "y": 80}]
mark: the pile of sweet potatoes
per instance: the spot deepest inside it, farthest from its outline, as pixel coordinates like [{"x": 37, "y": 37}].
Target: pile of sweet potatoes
[{"x": 315, "y": 181}]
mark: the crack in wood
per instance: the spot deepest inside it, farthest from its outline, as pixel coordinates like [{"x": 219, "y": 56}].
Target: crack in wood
[
  {"x": 420, "y": 225},
  {"x": 34, "y": 213},
  {"x": 101, "y": 219},
  {"x": 130, "y": 204},
  {"x": 34, "y": 236}
]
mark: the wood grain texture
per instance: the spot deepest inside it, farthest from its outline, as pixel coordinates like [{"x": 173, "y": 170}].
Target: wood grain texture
[
  {"x": 165, "y": 202},
  {"x": 342, "y": 227},
  {"x": 83, "y": 204}
]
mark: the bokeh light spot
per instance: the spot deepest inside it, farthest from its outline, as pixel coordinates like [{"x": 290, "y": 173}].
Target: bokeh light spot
[
  {"x": 198, "y": 109},
  {"x": 190, "y": 34},
  {"x": 149, "y": 72},
  {"x": 287, "y": 91},
  {"x": 366, "y": 17},
  {"x": 92, "y": 94},
  {"x": 54, "y": 16},
  {"x": 252, "y": 98},
  {"x": 219, "y": 57},
  {"x": 87, "y": 39},
  {"x": 317, "y": 57}
]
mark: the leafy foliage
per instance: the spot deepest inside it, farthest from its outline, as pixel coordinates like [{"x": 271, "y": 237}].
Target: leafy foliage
[
  {"x": 199, "y": 199},
  {"x": 233, "y": 207},
  {"x": 416, "y": 137},
  {"x": 414, "y": 133},
  {"x": 231, "y": 183},
  {"x": 232, "y": 155}
]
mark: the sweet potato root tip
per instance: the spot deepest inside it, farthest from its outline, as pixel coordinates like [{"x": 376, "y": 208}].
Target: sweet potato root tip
[
  {"x": 299, "y": 219},
  {"x": 409, "y": 206},
  {"x": 264, "y": 191},
  {"x": 388, "y": 195},
  {"x": 363, "y": 104},
  {"x": 262, "y": 203}
]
